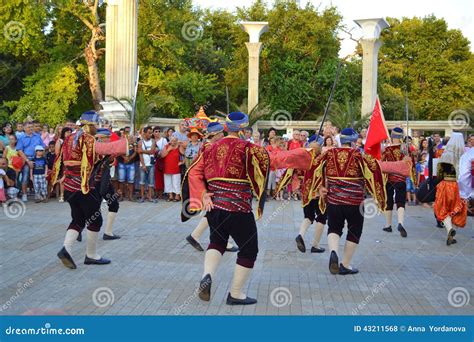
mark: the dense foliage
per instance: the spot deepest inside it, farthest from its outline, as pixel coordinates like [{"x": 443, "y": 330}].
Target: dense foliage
[{"x": 52, "y": 65}]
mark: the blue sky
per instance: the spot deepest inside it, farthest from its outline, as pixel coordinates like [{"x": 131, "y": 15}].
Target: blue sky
[{"x": 457, "y": 13}]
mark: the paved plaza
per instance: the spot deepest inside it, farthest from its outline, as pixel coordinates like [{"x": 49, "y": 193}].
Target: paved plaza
[{"x": 155, "y": 272}]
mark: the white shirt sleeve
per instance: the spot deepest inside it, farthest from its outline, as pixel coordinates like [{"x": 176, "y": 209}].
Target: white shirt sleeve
[{"x": 465, "y": 175}]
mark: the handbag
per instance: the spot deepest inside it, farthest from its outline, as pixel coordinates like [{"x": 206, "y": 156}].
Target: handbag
[
  {"x": 152, "y": 157},
  {"x": 17, "y": 163}
]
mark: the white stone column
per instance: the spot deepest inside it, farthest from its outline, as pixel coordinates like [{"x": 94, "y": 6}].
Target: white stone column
[
  {"x": 127, "y": 48},
  {"x": 255, "y": 29},
  {"x": 120, "y": 56},
  {"x": 370, "y": 45},
  {"x": 111, "y": 24}
]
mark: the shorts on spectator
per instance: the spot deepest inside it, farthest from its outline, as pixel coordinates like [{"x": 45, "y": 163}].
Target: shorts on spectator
[
  {"x": 271, "y": 180},
  {"x": 410, "y": 186},
  {"x": 173, "y": 183},
  {"x": 126, "y": 173},
  {"x": 12, "y": 192},
  {"x": 148, "y": 177}
]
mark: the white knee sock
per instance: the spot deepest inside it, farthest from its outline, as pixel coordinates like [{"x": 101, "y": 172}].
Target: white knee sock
[
  {"x": 401, "y": 215},
  {"x": 241, "y": 275},
  {"x": 333, "y": 242},
  {"x": 448, "y": 224},
  {"x": 110, "y": 221},
  {"x": 200, "y": 228},
  {"x": 388, "y": 217},
  {"x": 317, "y": 234},
  {"x": 349, "y": 250},
  {"x": 91, "y": 250},
  {"x": 70, "y": 238},
  {"x": 211, "y": 261},
  {"x": 304, "y": 226}
]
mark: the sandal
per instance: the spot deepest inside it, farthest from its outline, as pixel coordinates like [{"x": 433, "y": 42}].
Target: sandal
[{"x": 170, "y": 199}]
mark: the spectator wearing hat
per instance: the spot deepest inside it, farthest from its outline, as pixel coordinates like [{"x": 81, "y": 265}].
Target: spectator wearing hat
[
  {"x": 26, "y": 149},
  {"x": 172, "y": 174},
  {"x": 193, "y": 146},
  {"x": 38, "y": 174}
]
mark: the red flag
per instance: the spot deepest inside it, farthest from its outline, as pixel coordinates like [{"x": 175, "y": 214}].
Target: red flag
[{"x": 376, "y": 133}]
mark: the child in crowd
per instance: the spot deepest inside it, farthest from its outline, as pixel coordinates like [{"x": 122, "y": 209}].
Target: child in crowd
[
  {"x": 420, "y": 168},
  {"x": 411, "y": 198},
  {"x": 38, "y": 174},
  {"x": 50, "y": 157},
  {"x": 7, "y": 181}
]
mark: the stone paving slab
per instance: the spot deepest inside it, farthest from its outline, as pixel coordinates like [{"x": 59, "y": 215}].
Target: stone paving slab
[{"x": 155, "y": 272}]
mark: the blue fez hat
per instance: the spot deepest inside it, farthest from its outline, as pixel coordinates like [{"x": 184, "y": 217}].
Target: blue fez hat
[
  {"x": 103, "y": 132},
  {"x": 316, "y": 138},
  {"x": 89, "y": 118},
  {"x": 214, "y": 128},
  {"x": 235, "y": 121},
  {"x": 397, "y": 133},
  {"x": 348, "y": 135}
]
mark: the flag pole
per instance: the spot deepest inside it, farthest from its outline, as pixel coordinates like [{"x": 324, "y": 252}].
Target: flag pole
[
  {"x": 132, "y": 124},
  {"x": 406, "y": 117},
  {"x": 328, "y": 104}
]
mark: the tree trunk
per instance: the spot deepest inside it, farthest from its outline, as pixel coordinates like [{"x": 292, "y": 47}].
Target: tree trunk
[{"x": 94, "y": 79}]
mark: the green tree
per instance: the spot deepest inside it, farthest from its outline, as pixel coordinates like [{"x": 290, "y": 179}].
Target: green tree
[
  {"x": 433, "y": 63},
  {"x": 49, "y": 93}
]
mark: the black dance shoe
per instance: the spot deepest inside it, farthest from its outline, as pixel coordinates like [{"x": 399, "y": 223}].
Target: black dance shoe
[
  {"x": 204, "y": 290},
  {"x": 300, "y": 244},
  {"x": 194, "y": 243},
  {"x": 66, "y": 259},
  {"x": 403, "y": 232},
  {"x": 79, "y": 237},
  {"x": 317, "y": 250},
  {"x": 387, "y": 229},
  {"x": 232, "y": 249},
  {"x": 111, "y": 237},
  {"x": 101, "y": 261},
  {"x": 451, "y": 235},
  {"x": 333, "y": 263},
  {"x": 235, "y": 301},
  {"x": 345, "y": 271}
]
